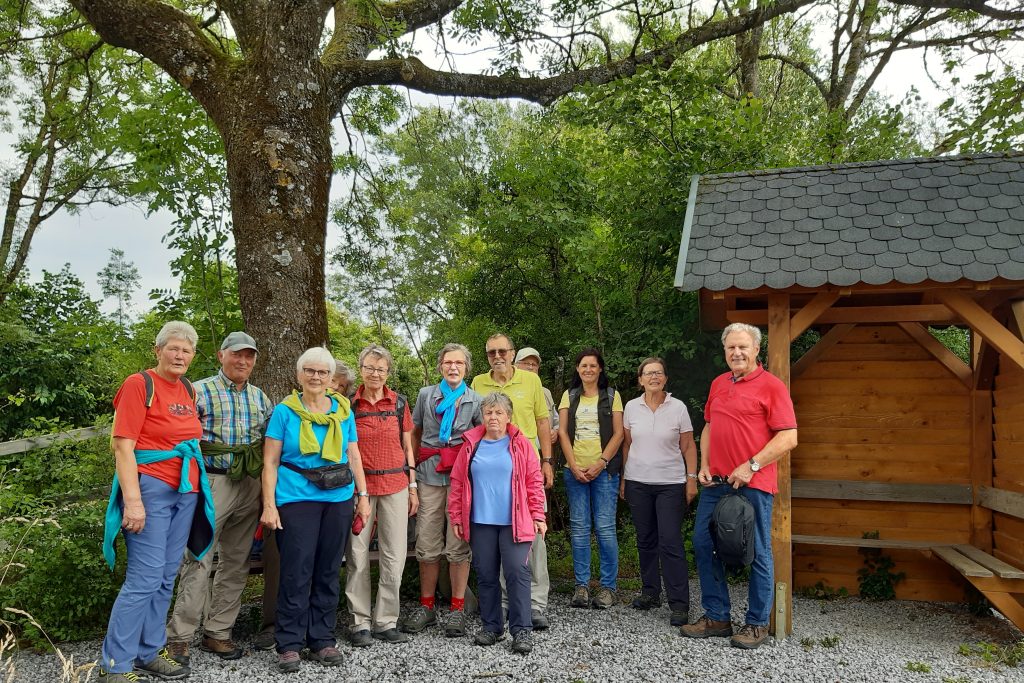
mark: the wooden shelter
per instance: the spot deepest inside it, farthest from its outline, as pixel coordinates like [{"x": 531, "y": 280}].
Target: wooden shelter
[{"x": 898, "y": 435}]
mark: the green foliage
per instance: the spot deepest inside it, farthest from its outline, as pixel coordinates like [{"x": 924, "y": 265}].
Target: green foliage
[
  {"x": 918, "y": 667},
  {"x": 956, "y": 339},
  {"x": 48, "y": 532},
  {"x": 875, "y": 579},
  {"x": 1011, "y": 655},
  {"x": 829, "y": 641},
  {"x": 349, "y": 337},
  {"x": 118, "y": 279},
  {"x": 807, "y": 644},
  {"x": 822, "y": 591}
]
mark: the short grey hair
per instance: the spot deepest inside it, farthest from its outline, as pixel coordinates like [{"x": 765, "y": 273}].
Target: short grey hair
[
  {"x": 754, "y": 332},
  {"x": 451, "y": 348},
  {"x": 496, "y": 399},
  {"x": 501, "y": 335},
  {"x": 380, "y": 352},
  {"x": 345, "y": 371},
  {"x": 317, "y": 354},
  {"x": 177, "y": 329}
]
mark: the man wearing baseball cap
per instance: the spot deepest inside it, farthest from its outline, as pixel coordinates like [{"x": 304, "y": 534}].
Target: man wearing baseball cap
[
  {"x": 529, "y": 359},
  {"x": 234, "y": 415}
]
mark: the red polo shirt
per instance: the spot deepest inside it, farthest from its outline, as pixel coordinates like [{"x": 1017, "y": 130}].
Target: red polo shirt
[
  {"x": 745, "y": 414},
  {"x": 379, "y": 445}
]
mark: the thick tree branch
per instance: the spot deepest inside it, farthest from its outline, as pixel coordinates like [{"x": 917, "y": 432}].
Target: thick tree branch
[
  {"x": 804, "y": 68},
  {"x": 412, "y": 73},
  {"x": 980, "y": 6}
]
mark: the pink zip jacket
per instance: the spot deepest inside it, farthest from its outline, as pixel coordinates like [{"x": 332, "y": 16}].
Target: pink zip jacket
[{"x": 527, "y": 484}]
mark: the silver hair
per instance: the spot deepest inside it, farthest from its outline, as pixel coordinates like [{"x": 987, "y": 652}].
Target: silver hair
[
  {"x": 501, "y": 335},
  {"x": 345, "y": 371},
  {"x": 380, "y": 352},
  {"x": 449, "y": 348},
  {"x": 177, "y": 329},
  {"x": 317, "y": 354},
  {"x": 754, "y": 332},
  {"x": 496, "y": 399}
]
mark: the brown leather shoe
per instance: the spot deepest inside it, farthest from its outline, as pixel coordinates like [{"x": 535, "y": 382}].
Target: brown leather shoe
[
  {"x": 749, "y": 637},
  {"x": 707, "y": 628},
  {"x": 179, "y": 652},
  {"x": 225, "y": 649}
]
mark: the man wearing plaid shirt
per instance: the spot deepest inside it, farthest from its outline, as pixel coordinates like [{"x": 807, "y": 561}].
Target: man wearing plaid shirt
[{"x": 234, "y": 415}]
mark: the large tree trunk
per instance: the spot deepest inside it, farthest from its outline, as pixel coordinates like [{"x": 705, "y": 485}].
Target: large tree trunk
[{"x": 277, "y": 142}]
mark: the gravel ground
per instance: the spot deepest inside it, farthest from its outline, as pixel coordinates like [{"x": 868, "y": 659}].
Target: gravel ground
[{"x": 871, "y": 642}]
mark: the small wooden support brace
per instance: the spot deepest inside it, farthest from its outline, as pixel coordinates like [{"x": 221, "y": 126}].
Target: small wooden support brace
[
  {"x": 950, "y": 360},
  {"x": 982, "y": 321}
]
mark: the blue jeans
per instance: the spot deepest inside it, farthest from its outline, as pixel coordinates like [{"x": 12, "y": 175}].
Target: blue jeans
[
  {"x": 595, "y": 500},
  {"x": 713, "y": 587},
  {"x": 137, "y": 628}
]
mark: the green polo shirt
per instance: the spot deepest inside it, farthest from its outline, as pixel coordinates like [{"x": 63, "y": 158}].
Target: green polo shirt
[{"x": 527, "y": 394}]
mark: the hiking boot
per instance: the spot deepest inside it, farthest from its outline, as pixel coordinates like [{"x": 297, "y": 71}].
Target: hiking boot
[
  {"x": 264, "y": 640},
  {"x": 127, "y": 677},
  {"x": 391, "y": 635},
  {"x": 707, "y": 628},
  {"x": 749, "y": 637},
  {"x": 603, "y": 598},
  {"x": 288, "y": 662},
  {"x": 540, "y": 621},
  {"x": 485, "y": 637},
  {"x": 645, "y": 601},
  {"x": 361, "y": 638},
  {"x": 679, "y": 617},
  {"x": 328, "y": 656},
  {"x": 522, "y": 642},
  {"x": 419, "y": 619},
  {"x": 455, "y": 627},
  {"x": 163, "y": 666},
  {"x": 581, "y": 597},
  {"x": 225, "y": 649},
  {"x": 179, "y": 653}
]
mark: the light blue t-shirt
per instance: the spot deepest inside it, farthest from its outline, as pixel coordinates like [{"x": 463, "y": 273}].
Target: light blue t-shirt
[
  {"x": 491, "y": 470},
  {"x": 292, "y": 487}
]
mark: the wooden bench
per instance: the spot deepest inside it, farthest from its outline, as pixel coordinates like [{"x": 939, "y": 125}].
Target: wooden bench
[{"x": 1000, "y": 582}]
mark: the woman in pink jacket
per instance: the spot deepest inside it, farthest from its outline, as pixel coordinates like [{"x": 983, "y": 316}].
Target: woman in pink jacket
[{"x": 496, "y": 502}]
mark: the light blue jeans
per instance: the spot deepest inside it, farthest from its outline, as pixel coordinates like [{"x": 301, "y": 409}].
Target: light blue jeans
[
  {"x": 596, "y": 500},
  {"x": 137, "y": 629},
  {"x": 713, "y": 587}
]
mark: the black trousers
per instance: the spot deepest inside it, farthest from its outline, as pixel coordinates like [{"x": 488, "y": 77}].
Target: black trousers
[
  {"x": 494, "y": 549},
  {"x": 311, "y": 545},
  {"x": 658, "y": 512}
]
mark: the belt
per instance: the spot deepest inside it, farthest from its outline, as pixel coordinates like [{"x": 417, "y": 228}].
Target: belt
[
  {"x": 394, "y": 470},
  {"x": 216, "y": 470}
]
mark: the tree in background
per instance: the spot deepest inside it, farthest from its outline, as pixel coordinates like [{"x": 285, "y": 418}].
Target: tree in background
[{"x": 119, "y": 279}]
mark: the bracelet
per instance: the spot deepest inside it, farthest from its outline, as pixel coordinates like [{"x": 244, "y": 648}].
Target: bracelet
[
  {"x": 691, "y": 476},
  {"x": 546, "y": 460},
  {"x": 413, "y": 485},
  {"x": 605, "y": 462},
  {"x": 363, "y": 494}
]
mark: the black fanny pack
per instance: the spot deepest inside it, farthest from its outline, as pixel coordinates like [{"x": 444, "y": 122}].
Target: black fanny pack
[{"x": 326, "y": 478}]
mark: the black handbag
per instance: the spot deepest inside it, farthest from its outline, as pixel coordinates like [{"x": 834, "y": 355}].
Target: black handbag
[{"x": 327, "y": 477}]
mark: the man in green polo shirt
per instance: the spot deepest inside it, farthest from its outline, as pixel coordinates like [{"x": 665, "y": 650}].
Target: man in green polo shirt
[{"x": 530, "y": 414}]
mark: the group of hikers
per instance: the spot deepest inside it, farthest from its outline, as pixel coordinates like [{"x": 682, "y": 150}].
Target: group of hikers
[{"x": 200, "y": 466}]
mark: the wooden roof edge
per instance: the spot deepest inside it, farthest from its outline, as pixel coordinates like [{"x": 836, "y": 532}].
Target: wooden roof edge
[
  {"x": 863, "y": 288},
  {"x": 684, "y": 241}
]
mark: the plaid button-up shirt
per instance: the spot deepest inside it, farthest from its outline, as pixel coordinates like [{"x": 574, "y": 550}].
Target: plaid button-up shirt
[{"x": 230, "y": 416}]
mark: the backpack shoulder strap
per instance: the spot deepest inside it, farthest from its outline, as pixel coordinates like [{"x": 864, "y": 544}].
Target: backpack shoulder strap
[
  {"x": 150, "y": 389},
  {"x": 400, "y": 402},
  {"x": 189, "y": 387}
]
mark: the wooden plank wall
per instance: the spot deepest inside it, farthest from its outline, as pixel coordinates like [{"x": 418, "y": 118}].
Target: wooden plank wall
[
  {"x": 877, "y": 407},
  {"x": 1008, "y": 458}
]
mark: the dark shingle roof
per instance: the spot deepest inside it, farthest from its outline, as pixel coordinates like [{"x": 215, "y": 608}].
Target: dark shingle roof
[{"x": 941, "y": 219}]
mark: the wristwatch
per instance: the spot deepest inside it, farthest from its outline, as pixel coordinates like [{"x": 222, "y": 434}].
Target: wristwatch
[
  {"x": 546, "y": 460},
  {"x": 754, "y": 466}
]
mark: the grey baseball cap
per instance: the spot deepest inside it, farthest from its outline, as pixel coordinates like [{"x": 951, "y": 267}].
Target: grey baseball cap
[
  {"x": 236, "y": 341},
  {"x": 526, "y": 353}
]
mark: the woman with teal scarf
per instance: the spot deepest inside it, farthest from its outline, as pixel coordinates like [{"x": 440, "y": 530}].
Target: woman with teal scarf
[{"x": 158, "y": 488}]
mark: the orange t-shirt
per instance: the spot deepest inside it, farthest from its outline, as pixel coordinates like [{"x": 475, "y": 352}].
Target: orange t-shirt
[{"x": 170, "y": 420}]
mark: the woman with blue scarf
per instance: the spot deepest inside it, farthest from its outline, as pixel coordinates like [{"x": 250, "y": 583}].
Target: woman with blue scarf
[
  {"x": 159, "y": 486},
  {"x": 443, "y": 412}
]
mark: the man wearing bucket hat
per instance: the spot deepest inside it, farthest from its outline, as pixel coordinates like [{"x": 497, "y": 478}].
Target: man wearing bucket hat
[{"x": 233, "y": 414}]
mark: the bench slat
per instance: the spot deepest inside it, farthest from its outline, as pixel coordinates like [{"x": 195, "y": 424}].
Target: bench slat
[
  {"x": 1001, "y": 569},
  {"x": 862, "y": 542},
  {"x": 959, "y": 562}
]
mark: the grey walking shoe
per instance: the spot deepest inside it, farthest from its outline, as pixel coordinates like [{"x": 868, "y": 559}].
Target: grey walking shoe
[
  {"x": 455, "y": 627},
  {"x": 361, "y": 638},
  {"x": 540, "y": 621},
  {"x": 328, "y": 656},
  {"x": 163, "y": 666},
  {"x": 127, "y": 677},
  {"x": 522, "y": 642},
  {"x": 419, "y": 619},
  {"x": 264, "y": 640},
  {"x": 288, "y": 662},
  {"x": 604, "y": 598},
  {"x": 485, "y": 637},
  {"x": 391, "y": 635},
  {"x": 581, "y": 597}
]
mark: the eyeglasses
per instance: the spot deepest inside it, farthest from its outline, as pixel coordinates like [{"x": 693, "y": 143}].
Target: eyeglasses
[
  {"x": 374, "y": 371},
  {"x": 654, "y": 373},
  {"x": 310, "y": 372},
  {"x": 454, "y": 363},
  {"x": 491, "y": 353}
]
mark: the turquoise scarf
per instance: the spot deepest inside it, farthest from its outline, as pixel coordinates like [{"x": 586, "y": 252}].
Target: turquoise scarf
[{"x": 446, "y": 409}]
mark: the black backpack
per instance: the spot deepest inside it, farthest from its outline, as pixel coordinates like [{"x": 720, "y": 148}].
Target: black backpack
[{"x": 732, "y": 530}]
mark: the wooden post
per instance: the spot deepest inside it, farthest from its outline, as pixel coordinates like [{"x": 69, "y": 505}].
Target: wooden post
[
  {"x": 981, "y": 466},
  {"x": 782, "y": 517}
]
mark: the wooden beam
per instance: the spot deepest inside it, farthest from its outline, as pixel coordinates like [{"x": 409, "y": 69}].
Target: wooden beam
[
  {"x": 34, "y": 442},
  {"x": 1001, "y": 569},
  {"x": 850, "y": 542},
  {"x": 806, "y": 316},
  {"x": 1008, "y": 344},
  {"x": 985, "y": 360},
  {"x": 1018, "y": 315},
  {"x": 782, "y": 511},
  {"x": 959, "y": 369},
  {"x": 831, "y": 338},
  {"x": 981, "y": 466},
  {"x": 1008, "y": 502},
  {"x": 954, "y": 494},
  {"x": 932, "y": 314},
  {"x": 1008, "y": 604},
  {"x": 959, "y": 562}
]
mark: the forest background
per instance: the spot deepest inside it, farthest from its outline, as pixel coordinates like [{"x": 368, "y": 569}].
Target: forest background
[{"x": 557, "y": 224}]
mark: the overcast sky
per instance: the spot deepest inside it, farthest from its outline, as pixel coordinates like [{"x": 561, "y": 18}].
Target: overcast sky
[{"x": 85, "y": 240}]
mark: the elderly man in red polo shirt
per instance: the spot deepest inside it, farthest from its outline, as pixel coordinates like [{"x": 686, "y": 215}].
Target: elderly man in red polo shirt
[{"x": 749, "y": 425}]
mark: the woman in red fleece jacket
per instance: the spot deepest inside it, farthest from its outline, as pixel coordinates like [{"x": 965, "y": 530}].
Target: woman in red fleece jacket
[{"x": 496, "y": 502}]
